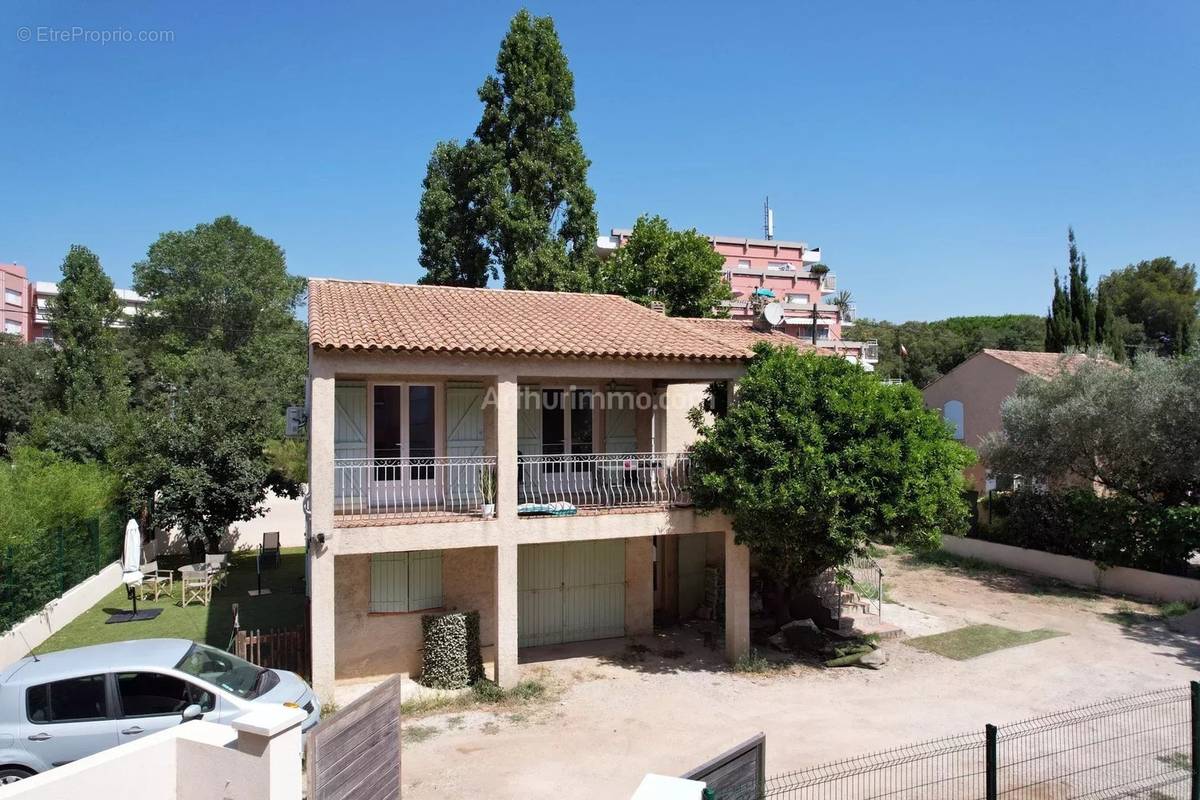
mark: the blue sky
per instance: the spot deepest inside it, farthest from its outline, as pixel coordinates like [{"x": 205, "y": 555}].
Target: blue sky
[{"x": 936, "y": 151}]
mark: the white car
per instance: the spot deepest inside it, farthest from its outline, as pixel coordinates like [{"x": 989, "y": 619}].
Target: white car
[{"x": 63, "y": 706}]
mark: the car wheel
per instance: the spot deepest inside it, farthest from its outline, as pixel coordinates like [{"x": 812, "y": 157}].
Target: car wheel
[{"x": 13, "y": 774}]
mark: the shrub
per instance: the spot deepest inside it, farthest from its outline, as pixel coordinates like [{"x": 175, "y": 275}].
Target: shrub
[
  {"x": 488, "y": 691},
  {"x": 452, "y": 657},
  {"x": 1111, "y": 530},
  {"x": 59, "y": 524}
]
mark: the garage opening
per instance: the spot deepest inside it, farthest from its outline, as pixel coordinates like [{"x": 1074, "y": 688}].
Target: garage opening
[{"x": 570, "y": 592}]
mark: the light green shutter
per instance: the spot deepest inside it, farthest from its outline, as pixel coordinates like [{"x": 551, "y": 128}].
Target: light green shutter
[
  {"x": 693, "y": 558},
  {"x": 389, "y": 582},
  {"x": 349, "y": 442},
  {"x": 464, "y": 419},
  {"x": 406, "y": 581},
  {"x": 424, "y": 579},
  {"x": 620, "y": 422}
]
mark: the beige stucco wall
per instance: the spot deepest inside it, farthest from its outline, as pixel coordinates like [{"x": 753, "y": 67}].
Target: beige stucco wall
[
  {"x": 372, "y": 645},
  {"x": 1118, "y": 580},
  {"x": 981, "y": 384},
  {"x": 639, "y": 586},
  {"x": 348, "y": 642}
]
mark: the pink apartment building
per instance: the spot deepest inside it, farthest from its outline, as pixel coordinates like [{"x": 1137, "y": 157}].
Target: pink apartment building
[
  {"x": 760, "y": 271},
  {"x": 26, "y": 304},
  {"x": 14, "y": 280}
]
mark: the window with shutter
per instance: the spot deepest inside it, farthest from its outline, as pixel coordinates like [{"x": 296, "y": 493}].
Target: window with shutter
[{"x": 403, "y": 582}]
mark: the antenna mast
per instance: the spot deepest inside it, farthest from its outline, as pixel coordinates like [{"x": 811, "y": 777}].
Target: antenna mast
[{"x": 768, "y": 219}]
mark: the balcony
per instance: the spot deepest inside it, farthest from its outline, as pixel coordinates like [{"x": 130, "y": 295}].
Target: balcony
[
  {"x": 449, "y": 489},
  {"x": 603, "y": 481},
  {"x": 443, "y": 488}
]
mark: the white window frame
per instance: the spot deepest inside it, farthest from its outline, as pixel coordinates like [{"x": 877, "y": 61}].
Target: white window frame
[
  {"x": 13, "y": 327},
  {"x": 9, "y": 294}
]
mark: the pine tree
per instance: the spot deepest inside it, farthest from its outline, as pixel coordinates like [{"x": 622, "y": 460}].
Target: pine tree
[
  {"x": 1107, "y": 333},
  {"x": 1083, "y": 312},
  {"x": 515, "y": 198}
]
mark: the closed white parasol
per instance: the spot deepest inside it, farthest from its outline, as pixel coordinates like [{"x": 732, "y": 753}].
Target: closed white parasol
[
  {"x": 131, "y": 576},
  {"x": 131, "y": 562}
]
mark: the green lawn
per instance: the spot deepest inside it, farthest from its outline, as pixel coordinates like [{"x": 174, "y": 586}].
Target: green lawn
[
  {"x": 213, "y": 624},
  {"x": 978, "y": 640}
]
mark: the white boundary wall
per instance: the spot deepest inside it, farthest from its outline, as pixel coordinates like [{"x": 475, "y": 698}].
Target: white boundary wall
[
  {"x": 26, "y": 635},
  {"x": 282, "y": 514},
  {"x": 1116, "y": 580}
]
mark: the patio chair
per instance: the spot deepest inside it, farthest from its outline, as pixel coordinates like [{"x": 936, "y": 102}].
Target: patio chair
[
  {"x": 270, "y": 547},
  {"x": 218, "y": 567},
  {"x": 156, "y": 582},
  {"x": 196, "y": 587}
]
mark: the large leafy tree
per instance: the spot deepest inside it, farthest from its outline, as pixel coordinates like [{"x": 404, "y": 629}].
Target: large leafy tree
[
  {"x": 1154, "y": 304},
  {"x": 199, "y": 448},
  {"x": 921, "y": 352},
  {"x": 219, "y": 300},
  {"x": 91, "y": 386},
  {"x": 1134, "y": 430},
  {"x": 677, "y": 268},
  {"x": 816, "y": 457},
  {"x": 26, "y": 386},
  {"x": 514, "y": 199}
]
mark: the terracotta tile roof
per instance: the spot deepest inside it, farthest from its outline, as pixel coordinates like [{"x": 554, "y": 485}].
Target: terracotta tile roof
[
  {"x": 740, "y": 333},
  {"x": 1043, "y": 365},
  {"x": 365, "y": 315}
]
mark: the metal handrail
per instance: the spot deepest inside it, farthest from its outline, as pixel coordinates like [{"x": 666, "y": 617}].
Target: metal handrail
[
  {"x": 605, "y": 480},
  {"x": 413, "y": 486}
]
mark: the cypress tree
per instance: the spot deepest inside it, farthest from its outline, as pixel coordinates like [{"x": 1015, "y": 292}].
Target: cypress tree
[{"x": 515, "y": 198}]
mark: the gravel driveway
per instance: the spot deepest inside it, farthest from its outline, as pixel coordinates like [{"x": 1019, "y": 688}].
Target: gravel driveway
[{"x": 668, "y": 702}]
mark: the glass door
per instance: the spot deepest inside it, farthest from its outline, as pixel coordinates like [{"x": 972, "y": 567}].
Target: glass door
[{"x": 404, "y": 445}]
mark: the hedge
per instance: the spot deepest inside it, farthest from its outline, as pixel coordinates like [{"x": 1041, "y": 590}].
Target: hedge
[
  {"x": 1112, "y": 531},
  {"x": 452, "y": 658}
]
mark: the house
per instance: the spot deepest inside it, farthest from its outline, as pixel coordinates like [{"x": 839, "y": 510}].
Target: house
[
  {"x": 970, "y": 395},
  {"x": 566, "y": 412},
  {"x": 780, "y": 271}
]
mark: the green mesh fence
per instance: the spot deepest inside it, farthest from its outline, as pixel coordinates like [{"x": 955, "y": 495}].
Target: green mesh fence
[{"x": 47, "y": 564}]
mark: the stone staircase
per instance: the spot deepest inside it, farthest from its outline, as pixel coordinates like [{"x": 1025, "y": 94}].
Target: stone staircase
[{"x": 852, "y": 616}]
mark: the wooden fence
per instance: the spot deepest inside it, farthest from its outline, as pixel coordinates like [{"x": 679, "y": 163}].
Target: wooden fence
[
  {"x": 355, "y": 754},
  {"x": 278, "y": 649}
]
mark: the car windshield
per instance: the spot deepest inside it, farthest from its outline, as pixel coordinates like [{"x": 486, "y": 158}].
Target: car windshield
[{"x": 223, "y": 670}]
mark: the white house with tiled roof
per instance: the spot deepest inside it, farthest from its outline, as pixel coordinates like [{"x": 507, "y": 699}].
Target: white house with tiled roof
[{"x": 573, "y": 406}]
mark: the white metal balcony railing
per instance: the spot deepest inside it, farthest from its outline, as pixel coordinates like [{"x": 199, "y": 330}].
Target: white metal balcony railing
[
  {"x": 413, "y": 487},
  {"x": 452, "y": 486},
  {"x": 605, "y": 480}
]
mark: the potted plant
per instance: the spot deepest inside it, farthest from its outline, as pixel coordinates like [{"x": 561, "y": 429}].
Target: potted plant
[{"x": 487, "y": 488}]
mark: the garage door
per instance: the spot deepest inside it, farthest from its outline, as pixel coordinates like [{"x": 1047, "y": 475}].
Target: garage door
[{"x": 570, "y": 591}]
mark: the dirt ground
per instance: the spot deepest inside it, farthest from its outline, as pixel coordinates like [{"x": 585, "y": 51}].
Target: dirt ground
[{"x": 620, "y": 711}]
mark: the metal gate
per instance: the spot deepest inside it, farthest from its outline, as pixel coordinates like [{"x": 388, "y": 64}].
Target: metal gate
[
  {"x": 570, "y": 591},
  {"x": 356, "y": 752}
]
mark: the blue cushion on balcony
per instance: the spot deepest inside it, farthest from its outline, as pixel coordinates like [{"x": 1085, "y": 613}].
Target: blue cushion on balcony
[{"x": 559, "y": 509}]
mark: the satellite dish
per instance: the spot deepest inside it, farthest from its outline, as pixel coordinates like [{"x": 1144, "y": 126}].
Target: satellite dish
[{"x": 770, "y": 317}]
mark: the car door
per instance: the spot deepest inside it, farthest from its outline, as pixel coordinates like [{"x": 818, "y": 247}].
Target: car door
[
  {"x": 68, "y": 719},
  {"x": 153, "y": 701}
]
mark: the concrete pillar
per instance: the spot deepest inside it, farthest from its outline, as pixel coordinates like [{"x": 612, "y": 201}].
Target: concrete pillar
[
  {"x": 321, "y": 557},
  {"x": 506, "y": 445},
  {"x": 639, "y": 585},
  {"x": 737, "y": 599},
  {"x": 507, "y": 671},
  {"x": 273, "y": 735}
]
